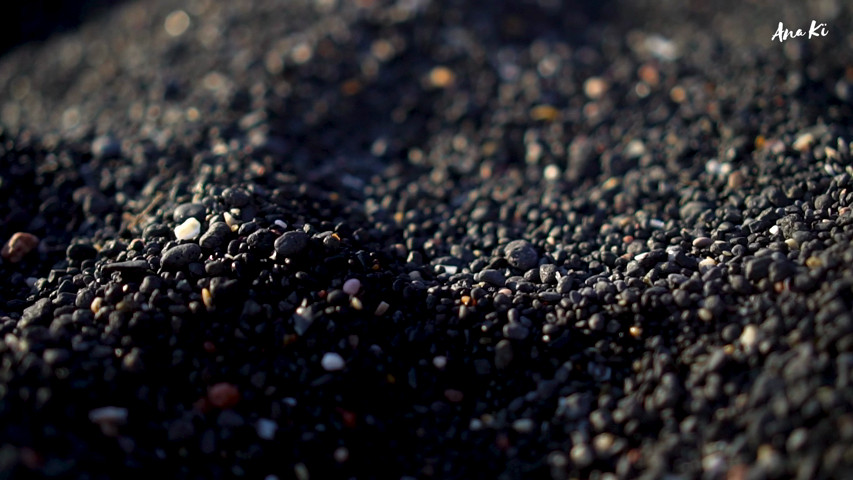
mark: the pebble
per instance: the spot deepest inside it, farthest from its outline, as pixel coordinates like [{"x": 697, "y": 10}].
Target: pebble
[
  {"x": 80, "y": 251},
  {"x": 503, "y": 354},
  {"x": 521, "y": 254},
  {"x": 291, "y": 243},
  {"x": 223, "y": 395},
  {"x": 595, "y": 87},
  {"x": 18, "y": 246},
  {"x": 189, "y": 210},
  {"x": 236, "y": 197},
  {"x": 262, "y": 242},
  {"x": 523, "y": 425},
  {"x": 352, "y": 286},
  {"x": 381, "y": 309},
  {"x": 266, "y": 428},
  {"x": 180, "y": 256},
  {"x": 515, "y": 331},
  {"x": 492, "y": 277},
  {"x": 113, "y": 415},
  {"x": 215, "y": 236},
  {"x": 702, "y": 242},
  {"x": 332, "y": 362},
  {"x": 188, "y": 230},
  {"x": 749, "y": 337},
  {"x": 439, "y": 362},
  {"x": 39, "y": 313}
]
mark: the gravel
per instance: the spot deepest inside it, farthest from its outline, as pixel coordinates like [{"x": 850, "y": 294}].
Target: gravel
[{"x": 428, "y": 239}]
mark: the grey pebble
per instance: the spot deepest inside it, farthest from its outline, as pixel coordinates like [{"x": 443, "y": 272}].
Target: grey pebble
[
  {"x": 291, "y": 243},
  {"x": 521, "y": 254},
  {"x": 515, "y": 331},
  {"x": 492, "y": 277},
  {"x": 180, "y": 256},
  {"x": 189, "y": 210}
]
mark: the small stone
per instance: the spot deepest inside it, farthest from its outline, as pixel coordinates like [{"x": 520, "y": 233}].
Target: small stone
[
  {"x": 439, "y": 362},
  {"x": 80, "y": 251},
  {"x": 39, "y": 313},
  {"x": 523, "y": 425},
  {"x": 804, "y": 142},
  {"x": 106, "y": 146},
  {"x": 823, "y": 202},
  {"x": 503, "y": 354},
  {"x": 18, "y": 246},
  {"x": 291, "y": 243},
  {"x": 188, "y": 230},
  {"x": 236, "y": 197},
  {"x": 521, "y": 254},
  {"x": 352, "y": 286},
  {"x": 127, "y": 267},
  {"x": 262, "y": 242},
  {"x": 441, "y": 77},
  {"x": 332, "y": 362},
  {"x": 215, "y": 236},
  {"x": 381, "y": 309},
  {"x": 595, "y": 87},
  {"x": 758, "y": 268},
  {"x": 453, "y": 396},
  {"x": 186, "y": 210},
  {"x": 223, "y": 395},
  {"x": 341, "y": 454},
  {"x": 109, "y": 419},
  {"x": 180, "y": 256},
  {"x": 702, "y": 242},
  {"x": 492, "y": 277},
  {"x": 582, "y": 455},
  {"x": 749, "y": 337},
  {"x": 266, "y": 428},
  {"x": 515, "y": 331},
  {"x": 548, "y": 273}
]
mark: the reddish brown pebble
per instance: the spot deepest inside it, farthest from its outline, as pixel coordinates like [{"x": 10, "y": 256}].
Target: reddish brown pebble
[
  {"x": 223, "y": 395},
  {"x": 19, "y": 245},
  {"x": 348, "y": 418},
  {"x": 454, "y": 396}
]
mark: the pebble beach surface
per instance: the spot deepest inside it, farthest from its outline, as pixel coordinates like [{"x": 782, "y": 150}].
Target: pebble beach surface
[{"x": 429, "y": 239}]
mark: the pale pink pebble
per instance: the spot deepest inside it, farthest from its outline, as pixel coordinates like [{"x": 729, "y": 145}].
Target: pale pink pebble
[{"x": 352, "y": 286}]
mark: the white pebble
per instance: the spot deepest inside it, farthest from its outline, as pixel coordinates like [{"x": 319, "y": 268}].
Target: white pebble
[
  {"x": 352, "y": 286},
  {"x": 381, "y": 309},
  {"x": 332, "y": 362},
  {"x": 232, "y": 222},
  {"x": 440, "y": 362},
  {"x": 803, "y": 142},
  {"x": 341, "y": 454},
  {"x": 449, "y": 269},
  {"x": 281, "y": 224},
  {"x": 475, "y": 424},
  {"x": 595, "y": 87},
  {"x": 774, "y": 229},
  {"x": 188, "y": 230},
  {"x": 749, "y": 337},
  {"x": 656, "y": 223},
  {"x": 266, "y": 428},
  {"x": 523, "y": 425},
  {"x": 706, "y": 263},
  {"x": 552, "y": 172},
  {"x": 108, "y": 415}
]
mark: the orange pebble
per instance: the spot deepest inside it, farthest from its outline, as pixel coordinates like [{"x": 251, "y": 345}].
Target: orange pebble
[{"x": 19, "y": 245}]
